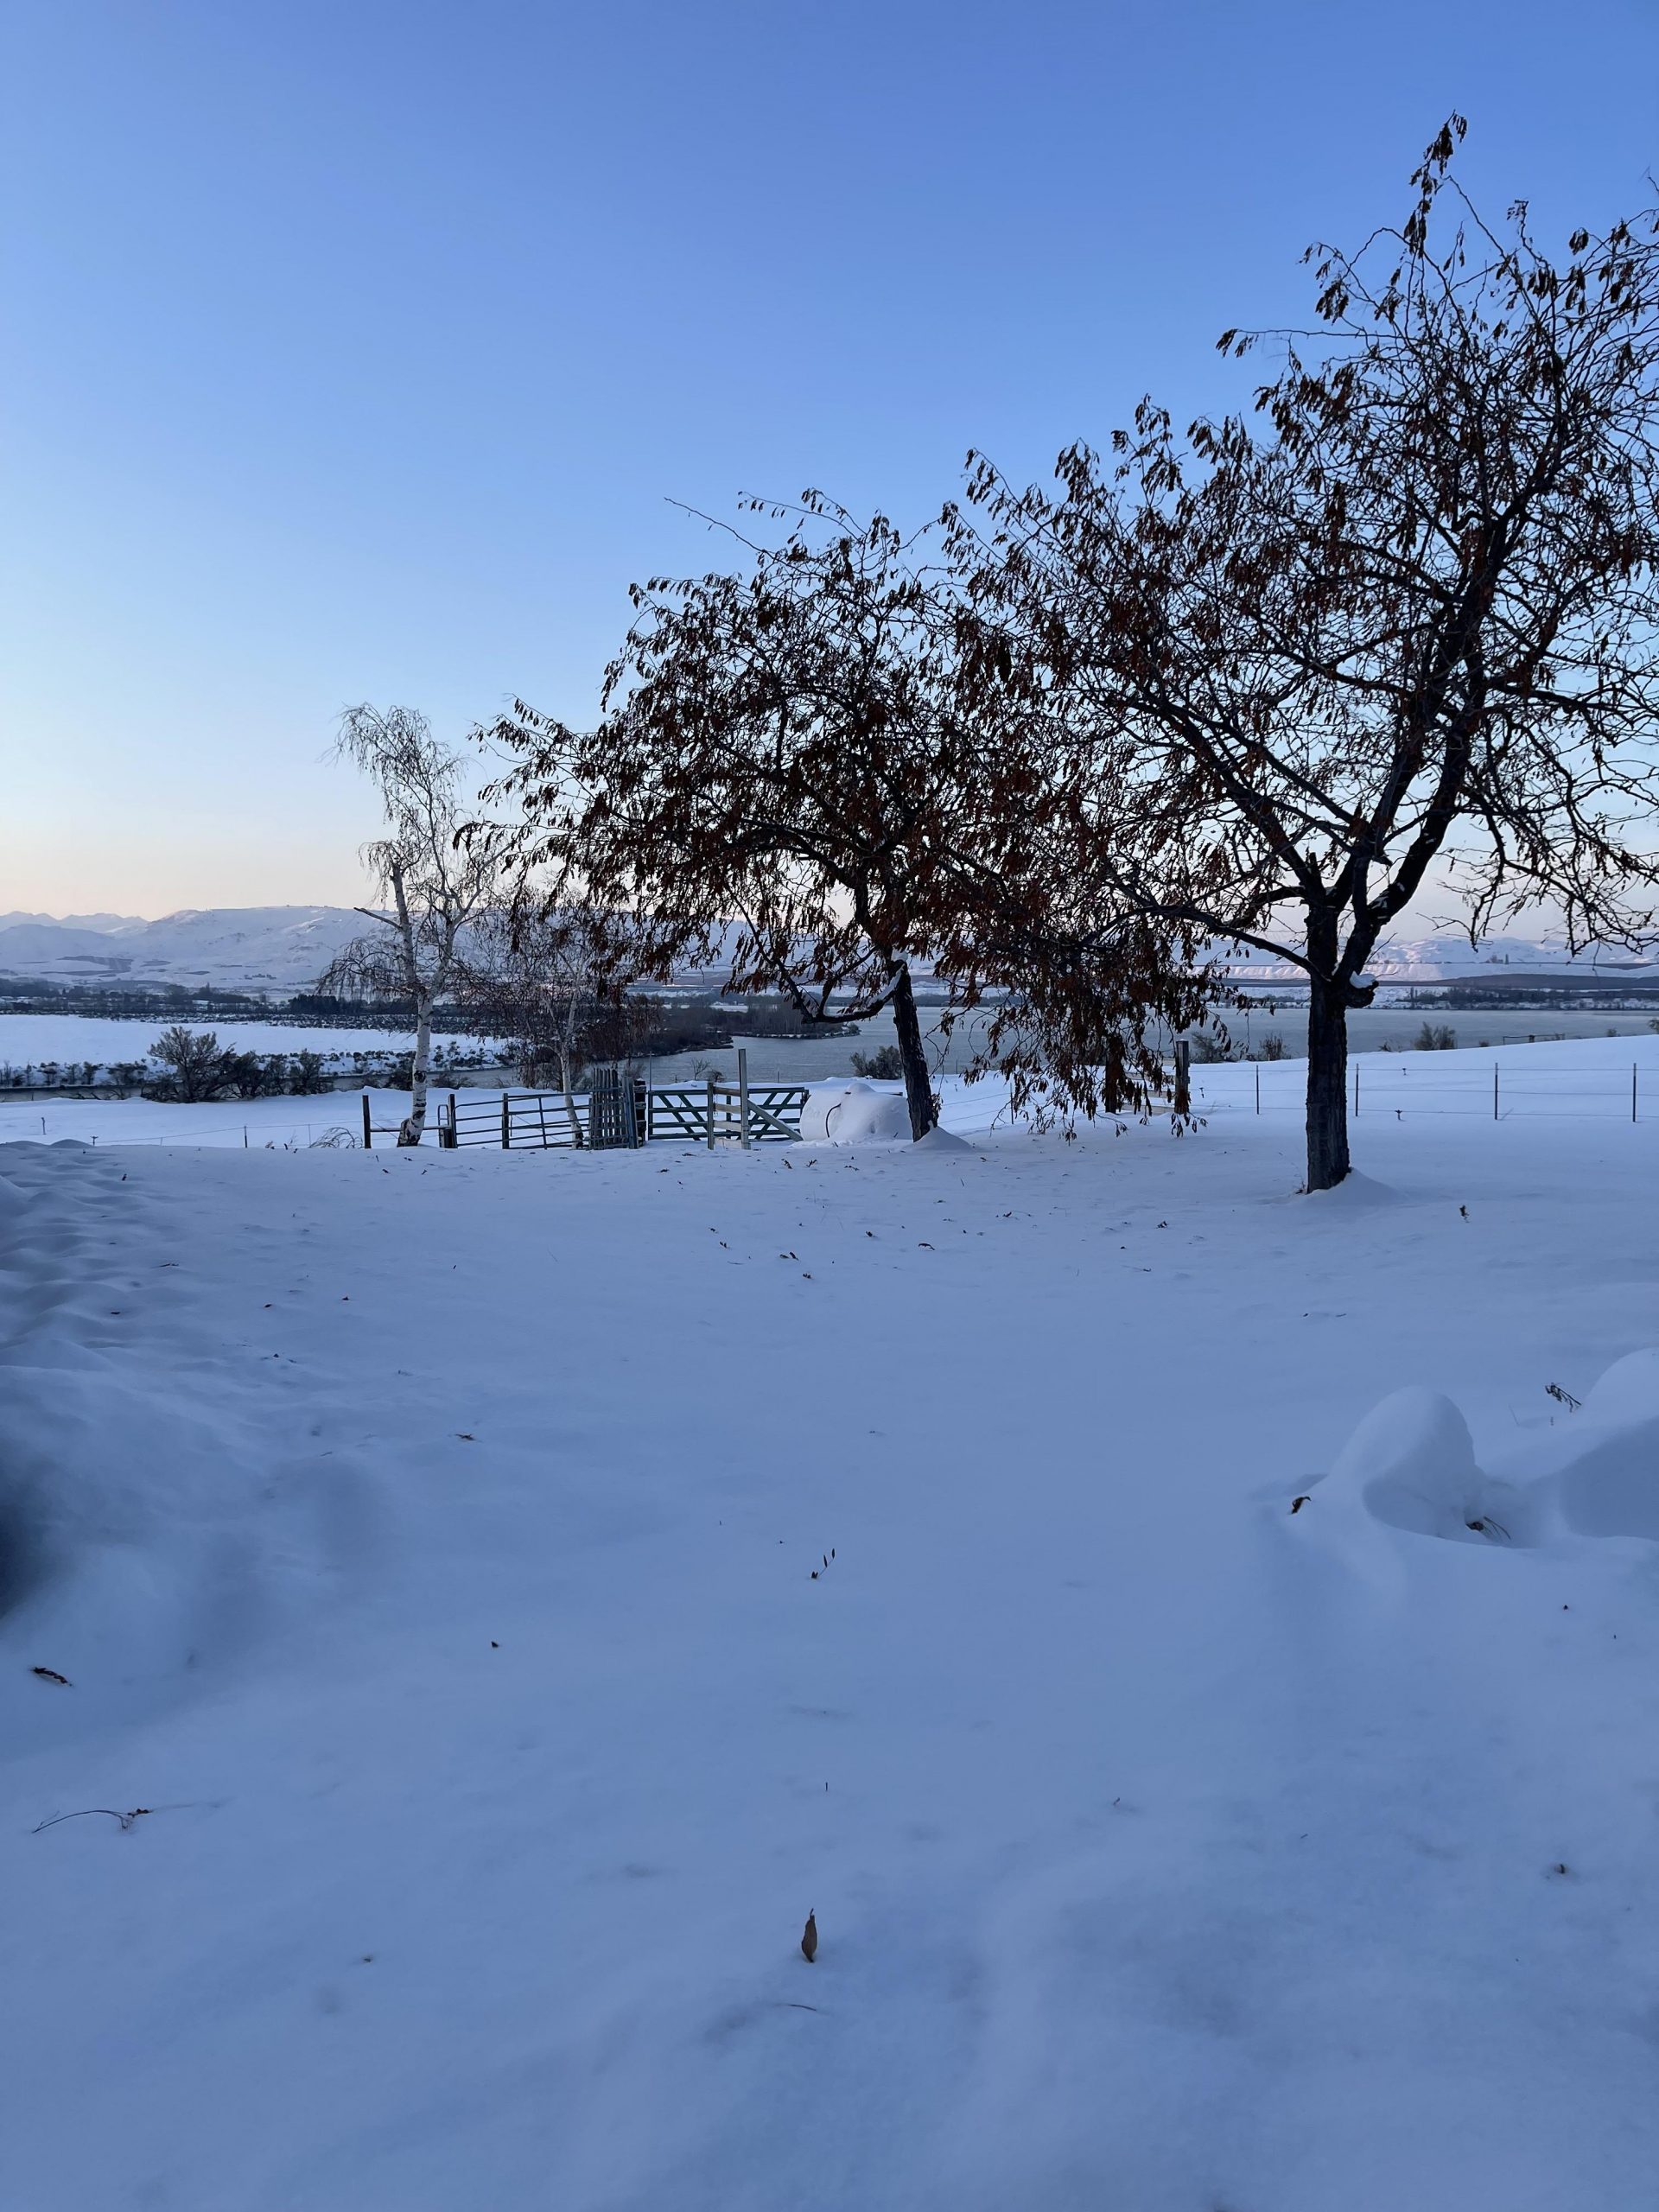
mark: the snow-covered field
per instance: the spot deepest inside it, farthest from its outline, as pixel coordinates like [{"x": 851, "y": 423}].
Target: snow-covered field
[
  {"x": 29, "y": 1039},
  {"x": 428, "y": 1541}
]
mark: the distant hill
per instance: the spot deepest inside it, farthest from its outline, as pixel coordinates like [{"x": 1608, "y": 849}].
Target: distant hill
[
  {"x": 277, "y": 949},
  {"x": 75, "y": 921},
  {"x": 280, "y": 949},
  {"x": 1448, "y": 957}
]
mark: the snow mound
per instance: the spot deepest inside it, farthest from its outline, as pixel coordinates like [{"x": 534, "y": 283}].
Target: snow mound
[
  {"x": 1627, "y": 1392},
  {"x": 1611, "y": 1485},
  {"x": 854, "y": 1113},
  {"x": 941, "y": 1140},
  {"x": 1355, "y": 1193},
  {"x": 1411, "y": 1464},
  {"x": 1612, "y": 1489}
]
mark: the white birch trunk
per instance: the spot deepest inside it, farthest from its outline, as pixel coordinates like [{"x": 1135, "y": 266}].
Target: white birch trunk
[
  {"x": 410, "y": 1130},
  {"x": 565, "y": 1073}
]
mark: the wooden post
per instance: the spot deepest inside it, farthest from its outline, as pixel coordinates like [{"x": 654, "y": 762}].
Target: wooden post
[
  {"x": 743, "y": 1094},
  {"x": 1183, "y": 1076},
  {"x": 709, "y": 1082},
  {"x": 1494, "y": 1090},
  {"x": 506, "y": 1121},
  {"x": 368, "y": 1133},
  {"x": 1356, "y": 1086},
  {"x": 455, "y": 1135},
  {"x": 1258, "y": 1086},
  {"x": 1632, "y": 1089}
]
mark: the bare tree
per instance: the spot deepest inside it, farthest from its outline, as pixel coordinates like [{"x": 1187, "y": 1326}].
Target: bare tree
[
  {"x": 1407, "y": 621},
  {"x": 193, "y": 1067},
  {"x": 431, "y": 883},
  {"x": 552, "y": 982}
]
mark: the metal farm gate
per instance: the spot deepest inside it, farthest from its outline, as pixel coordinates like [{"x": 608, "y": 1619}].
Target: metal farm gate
[{"x": 621, "y": 1111}]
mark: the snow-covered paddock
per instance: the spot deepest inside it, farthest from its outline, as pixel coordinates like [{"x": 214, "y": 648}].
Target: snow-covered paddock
[
  {"x": 1583, "y": 1079},
  {"x": 428, "y": 1538}
]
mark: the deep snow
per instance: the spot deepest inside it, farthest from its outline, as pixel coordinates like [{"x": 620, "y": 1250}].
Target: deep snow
[{"x": 428, "y": 1541}]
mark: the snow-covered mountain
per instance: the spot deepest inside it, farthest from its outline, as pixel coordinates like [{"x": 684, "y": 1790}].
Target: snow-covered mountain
[
  {"x": 75, "y": 921},
  {"x": 284, "y": 949},
  {"x": 279, "y": 949},
  {"x": 1445, "y": 956}
]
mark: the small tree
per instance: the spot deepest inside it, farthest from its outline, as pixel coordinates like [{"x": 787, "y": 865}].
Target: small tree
[
  {"x": 1409, "y": 620},
  {"x": 431, "y": 882},
  {"x": 194, "y": 1069},
  {"x": 551, "y": 982}
]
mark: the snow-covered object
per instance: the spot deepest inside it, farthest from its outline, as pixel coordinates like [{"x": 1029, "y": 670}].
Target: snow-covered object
[
  {"x": 1627, "y": 1392},
  {"x": 1411, "y": 1462},
  {"x": 1611, "y": 1485},
  {"x": 854, "y": 1113}
]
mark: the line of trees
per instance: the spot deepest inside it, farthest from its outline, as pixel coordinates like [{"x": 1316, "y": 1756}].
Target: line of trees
[{"x": 1253, "y": 685}]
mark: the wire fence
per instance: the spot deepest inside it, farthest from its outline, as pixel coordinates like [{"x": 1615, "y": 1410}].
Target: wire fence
[
  {"x": 1405, "y": 1085},
  {"x": 1520, "y": 1084}
]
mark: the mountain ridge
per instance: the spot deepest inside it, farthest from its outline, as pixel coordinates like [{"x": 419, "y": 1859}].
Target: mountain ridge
[{"x": 285, "y": 949}]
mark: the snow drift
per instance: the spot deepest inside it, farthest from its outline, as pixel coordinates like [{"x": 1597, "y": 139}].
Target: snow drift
[{"x": 854, "y": 1113}]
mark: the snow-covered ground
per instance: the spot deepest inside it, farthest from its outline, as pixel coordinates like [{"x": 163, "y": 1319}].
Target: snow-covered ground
[
  {"x": 428, "y": 1541},
  {"x": 30, "y": 1040}
]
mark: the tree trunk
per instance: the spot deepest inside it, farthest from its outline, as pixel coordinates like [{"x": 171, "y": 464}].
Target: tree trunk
[
  {"x": 918, "y": 1085},
  {"x": 566, "y": 1083},
  {"x": 420, "y": 1075},
  {"x": 1327, "y": 1086}
]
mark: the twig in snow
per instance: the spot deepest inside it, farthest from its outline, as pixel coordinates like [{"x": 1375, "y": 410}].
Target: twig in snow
[{"x": 124, "y": 1821}]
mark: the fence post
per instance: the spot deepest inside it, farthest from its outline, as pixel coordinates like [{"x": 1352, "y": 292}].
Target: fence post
[
  {"x": 454, "y": 1138},
  {"x": 709, "y": 1082},
  {"x": 1494, "y": 1090},
  {"x": 368, "y": 1133},
  {"x": 1356, "y": 1086},
  {"x": 743, "y": 1095},
  {"x": 1632, "y": 1089},
  {"x": 506, "y": 1121},
  {"x": 1258, "y": 1086},
  {"x": 1183, "y": 1101}
]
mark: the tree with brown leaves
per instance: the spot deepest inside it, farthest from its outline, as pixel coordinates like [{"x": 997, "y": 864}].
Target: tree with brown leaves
[
  {"x": 786, "y": 774},
  {"x": 1402, "y": 622}
]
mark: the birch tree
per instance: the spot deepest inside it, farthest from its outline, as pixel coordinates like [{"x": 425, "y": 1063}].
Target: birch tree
[{"x": 429, "y": 883}]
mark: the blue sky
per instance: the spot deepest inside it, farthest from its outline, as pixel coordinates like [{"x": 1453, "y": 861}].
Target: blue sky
[{"x": 355, "y": 350}]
